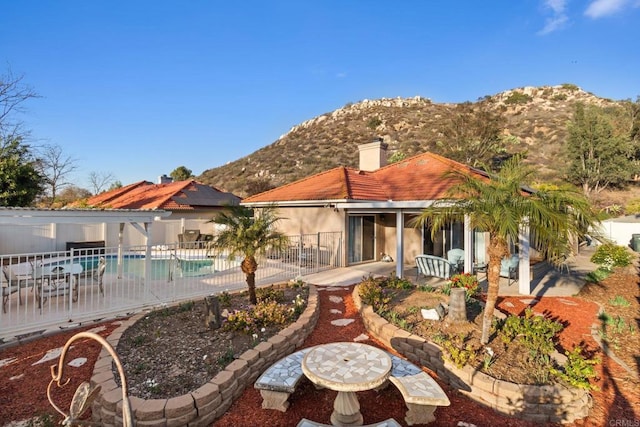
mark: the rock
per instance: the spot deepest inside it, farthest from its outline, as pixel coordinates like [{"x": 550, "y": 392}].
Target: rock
[{"x": 430, "y": 314}]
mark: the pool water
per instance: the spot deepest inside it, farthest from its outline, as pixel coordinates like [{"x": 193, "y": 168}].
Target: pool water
[{"x": 161, "y": 268}]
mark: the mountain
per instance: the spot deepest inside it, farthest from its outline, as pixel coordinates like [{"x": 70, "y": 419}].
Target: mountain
[{"x": 535, "y": 116}]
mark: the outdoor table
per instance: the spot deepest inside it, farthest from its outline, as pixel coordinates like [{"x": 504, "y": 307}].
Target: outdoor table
[
  {"x": 53, "y": 274},
  {"x": 347, "y": 367}
]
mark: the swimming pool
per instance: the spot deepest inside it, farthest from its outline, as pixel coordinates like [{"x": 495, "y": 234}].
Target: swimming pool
[{"x": 161, "y": 268}]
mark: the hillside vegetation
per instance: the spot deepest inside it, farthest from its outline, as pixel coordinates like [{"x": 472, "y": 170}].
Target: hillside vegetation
[{"x": 535, "y": 121}]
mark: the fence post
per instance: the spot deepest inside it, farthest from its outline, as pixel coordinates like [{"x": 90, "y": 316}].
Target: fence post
[
  {"x": 300, "y": 248},
  {"x": 317, "y": 256}
]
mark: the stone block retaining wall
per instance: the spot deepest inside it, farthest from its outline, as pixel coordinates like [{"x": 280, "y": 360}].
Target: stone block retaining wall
[
  {"x": 204, "y": 405},
  {"x": 548, "y": 403}
]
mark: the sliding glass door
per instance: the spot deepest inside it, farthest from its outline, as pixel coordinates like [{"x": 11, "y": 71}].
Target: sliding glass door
[
  {"x": 361, "y": 238},
  {"x": 449, "y": 237}
]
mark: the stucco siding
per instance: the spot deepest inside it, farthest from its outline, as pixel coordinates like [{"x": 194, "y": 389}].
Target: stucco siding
[{"x": 306, "y": 220}]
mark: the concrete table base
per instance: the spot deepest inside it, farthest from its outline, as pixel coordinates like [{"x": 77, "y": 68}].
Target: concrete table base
[{"x": 346, "y": 410}]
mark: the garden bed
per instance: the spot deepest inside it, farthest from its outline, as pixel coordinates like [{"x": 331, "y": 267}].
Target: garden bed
[
  {"x": 201, "y": 405},
  {"x": 530, "y": 400}
]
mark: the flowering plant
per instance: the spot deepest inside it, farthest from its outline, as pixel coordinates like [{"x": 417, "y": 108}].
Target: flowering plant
[{"x": 467, "y": 281}]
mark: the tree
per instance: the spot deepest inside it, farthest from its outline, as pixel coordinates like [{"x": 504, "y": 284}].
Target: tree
[
  {"x": 20, "y": 181},
  {"x": 248, "y": 235},
  {"x": 258, "y": 185},
  {"x": 13, "y": 93},
  {"x": 181, "y": 173},
  {"x": 600, "y": 155},
  {"x": 500, "y": 206},
  {"x": 473, "y": 135},
  {"x": 115, "y": 185},
  {"x": 100, "y": 180},
  {"x": 55, "y": 166},
  {"x": 397, "y": 157},
  {"x": 71, "y": 194}
]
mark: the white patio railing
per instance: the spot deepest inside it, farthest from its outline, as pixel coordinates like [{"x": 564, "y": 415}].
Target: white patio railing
[{"x": 46, "y": 291}]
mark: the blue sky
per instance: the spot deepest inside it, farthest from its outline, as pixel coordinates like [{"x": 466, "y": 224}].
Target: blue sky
[{"x": 138, "y": 88}]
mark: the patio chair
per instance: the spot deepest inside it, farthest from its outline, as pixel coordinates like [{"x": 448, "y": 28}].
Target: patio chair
[
  {"x": 98, "y": 274},
  {"x": 12, "y": 283},
  {"x": 509, "y": 268},
  {"x": 96, "y": 277},
  {"x": 456, "y": 258}
]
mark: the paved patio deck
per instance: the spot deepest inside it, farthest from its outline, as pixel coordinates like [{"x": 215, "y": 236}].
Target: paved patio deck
[{"x": 547, "y": 280}]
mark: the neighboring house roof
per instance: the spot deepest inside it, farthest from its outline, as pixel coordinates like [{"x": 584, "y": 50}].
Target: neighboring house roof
[
  {"x": 420, "y": 177},
  {"x": 174, "y": 196}
]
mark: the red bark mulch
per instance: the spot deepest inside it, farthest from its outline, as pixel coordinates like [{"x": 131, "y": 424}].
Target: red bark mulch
[
  {"x": 317, "y": 405},
  {"x": 23, "y": 384}
]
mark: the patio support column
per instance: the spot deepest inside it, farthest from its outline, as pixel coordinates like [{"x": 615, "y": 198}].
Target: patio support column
[
  {"x": 147, "y": 258},
  {"x": 399, "y": 243},
  {"x": 120, "y": 240},
  {"x": 524, "y": 269},
  {"x": 468, "y": 245},
  {"x": 53, "y": 236}
]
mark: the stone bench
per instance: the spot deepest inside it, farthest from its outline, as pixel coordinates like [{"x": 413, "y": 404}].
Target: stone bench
[
  {"x": 387, "y": 423},
  {"x": 420, "y": 392},
  {"x": 280, "y": 380}
]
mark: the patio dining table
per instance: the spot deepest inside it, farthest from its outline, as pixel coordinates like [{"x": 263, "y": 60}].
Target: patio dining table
[
  {"x": 347, "y": 367},
  {"x": 59, "y": 278}
]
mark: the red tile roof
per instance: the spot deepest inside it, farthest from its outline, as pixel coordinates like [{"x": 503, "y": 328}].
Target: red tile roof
[
  {"x": 180, "y": 195},
  {"x": 419, "y": 177}
]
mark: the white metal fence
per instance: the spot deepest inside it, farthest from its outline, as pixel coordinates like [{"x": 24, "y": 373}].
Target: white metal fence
[
  {"x": 15, "y": 238},
  {"x": 42, "y": 291}
]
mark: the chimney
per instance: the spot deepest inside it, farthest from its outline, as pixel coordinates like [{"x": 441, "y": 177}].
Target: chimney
[
  {"x": 164, "y": 179},
  {"x": 373, "y": 155}
]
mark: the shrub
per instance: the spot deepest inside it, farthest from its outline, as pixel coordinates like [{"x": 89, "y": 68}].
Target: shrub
[
  {"x": 395, "y": 282},
  {"x": 463, "y": 280},
  {"x": 264, "y": 314},
  {"x": 577, "y": 370},
  {"x": 518, "y": 98},
  {"x": 457, "y": 350},
  {"x": 270, "y": 294},
  {"x": 267, "y": 313},
  {"x": 608, "y": 256},
  {"x": 598, "y": 275},
  {"x": 225, "y": 299},
  {"x": 536, "y": 333},
  {"x": 570, "y": 86},
  {"x": 619, "y": 300},
  {"x": 373, "y": 294},
  {"x": 373, "y": 123},
  {"x": 632, "y": 207},
  {"x": 240, "y": 321}
]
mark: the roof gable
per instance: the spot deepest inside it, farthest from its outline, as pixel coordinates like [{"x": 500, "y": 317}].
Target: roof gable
[
  {"x": 180, "y": 195},
  {"x": 421, "y": 177}
]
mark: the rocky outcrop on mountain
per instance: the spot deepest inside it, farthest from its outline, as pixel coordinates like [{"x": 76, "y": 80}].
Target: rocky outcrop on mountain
[{"x": 535, "y": 116}]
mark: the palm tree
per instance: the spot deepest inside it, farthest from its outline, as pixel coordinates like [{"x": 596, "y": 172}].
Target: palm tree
[
  {"x": 248, "y": 235},
  {"x": 500, "y": 205}
]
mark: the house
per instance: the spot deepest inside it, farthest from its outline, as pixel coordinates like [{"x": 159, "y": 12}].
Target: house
[
  {"x": 184, "y": 199},
  {"x": 374, "y": 206}
]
